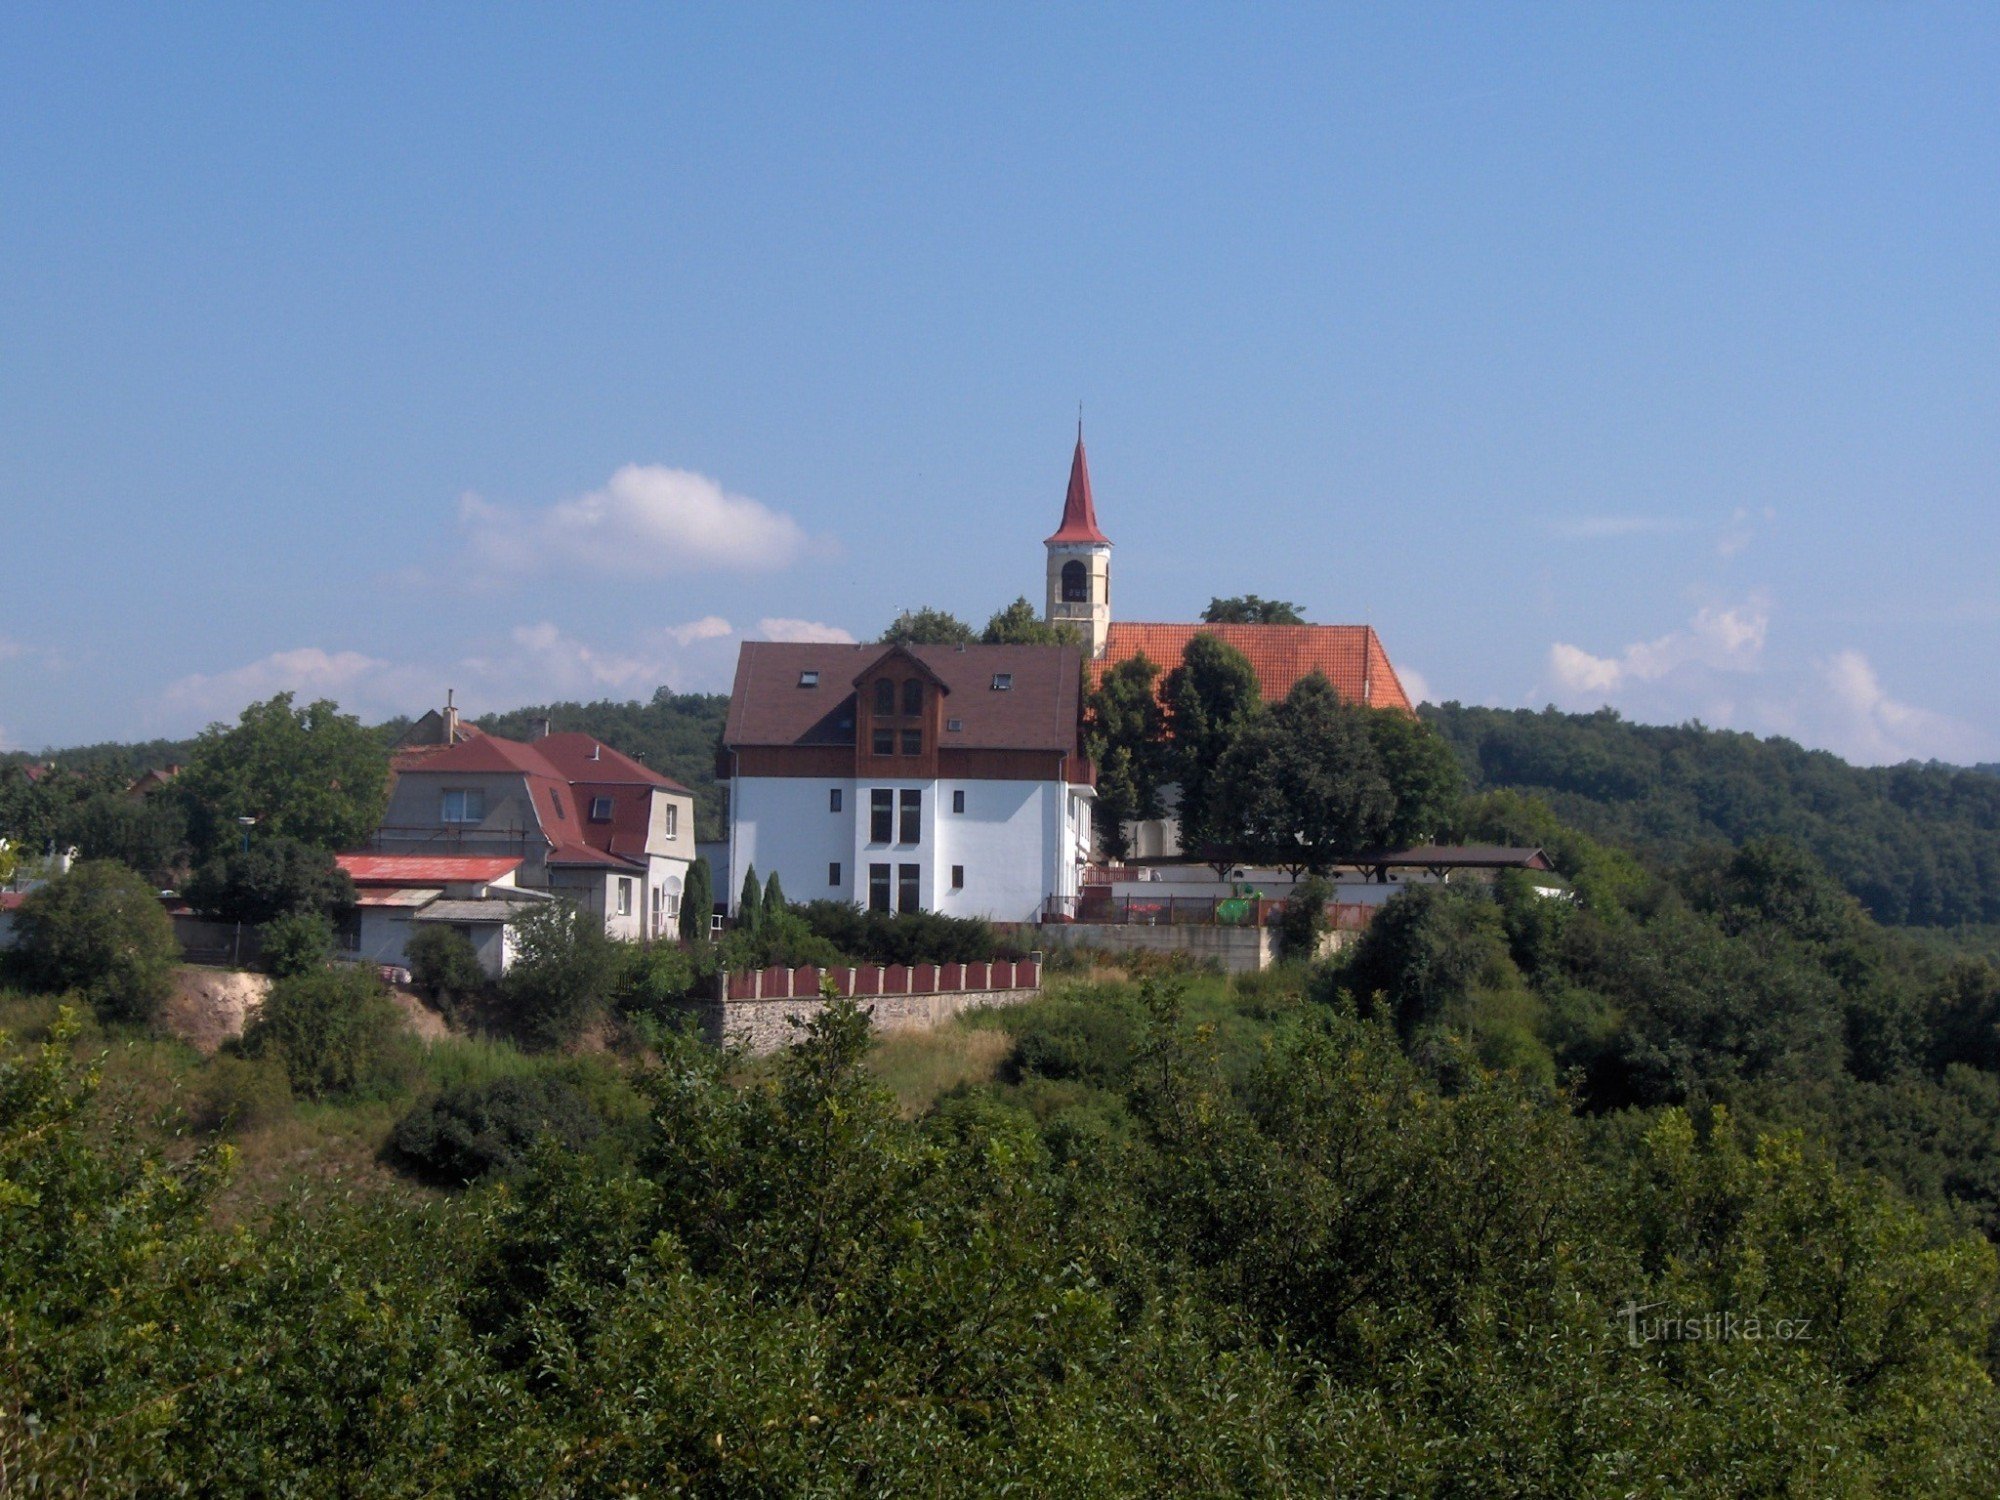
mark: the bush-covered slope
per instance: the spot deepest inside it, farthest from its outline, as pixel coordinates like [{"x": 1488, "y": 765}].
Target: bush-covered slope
[{"x": 1917, "y": 844}]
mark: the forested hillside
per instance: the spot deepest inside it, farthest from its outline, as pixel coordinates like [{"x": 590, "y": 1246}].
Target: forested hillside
[{"x": 1917, "y": 844}]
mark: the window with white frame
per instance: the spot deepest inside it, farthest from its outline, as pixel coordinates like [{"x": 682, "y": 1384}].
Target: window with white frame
[
  {"x": 463, "y": 805},
  {"x": 624, "y": 896},
  {"x": 673, "y": 821}
]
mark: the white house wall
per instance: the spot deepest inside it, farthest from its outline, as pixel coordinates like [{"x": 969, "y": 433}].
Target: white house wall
[{"x": 1016, "y": 840}]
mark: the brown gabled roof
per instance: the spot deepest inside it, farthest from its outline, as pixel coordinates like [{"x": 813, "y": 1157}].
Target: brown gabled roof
[
  {"x": 1348, "y": 656},
  {"x": 1038, "y": 712}
]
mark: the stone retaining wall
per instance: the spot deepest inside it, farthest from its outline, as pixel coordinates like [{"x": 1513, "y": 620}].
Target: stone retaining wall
[{"x": 762, "y": 1026}]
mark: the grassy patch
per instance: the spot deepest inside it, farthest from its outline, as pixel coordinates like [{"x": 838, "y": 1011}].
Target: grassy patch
[{"x": 920, "y": 1065}]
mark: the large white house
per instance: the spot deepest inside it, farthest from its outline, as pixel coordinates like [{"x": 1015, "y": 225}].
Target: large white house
[{"x": 940, "y": 778}]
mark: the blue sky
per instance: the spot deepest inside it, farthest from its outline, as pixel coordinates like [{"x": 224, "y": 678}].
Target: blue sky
[{"x": 1640, "y": 355}]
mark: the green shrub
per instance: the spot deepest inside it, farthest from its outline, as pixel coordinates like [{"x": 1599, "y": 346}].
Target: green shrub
[
  {"x": 99, "y": 930},
  {"x": 242, "y": 1093},
  {"x": 1091, "y": 1040},
  {"x": 473, "y": 1129},
  {"x": 337, "y": 1033},
  {"x": 565, "y": 971},
  {"x": 882, "y": 937},
  {"x": 295, "y": 942},
  {"x": 445, "y": 967},
  {"x": 1302, "y": 920},
  {"x": 658, "y": 979}
]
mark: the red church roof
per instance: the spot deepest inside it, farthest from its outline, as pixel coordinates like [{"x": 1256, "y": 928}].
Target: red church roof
[
  {"x": 1348, "y": 656},
  {"x": 1079, "y": 521}
]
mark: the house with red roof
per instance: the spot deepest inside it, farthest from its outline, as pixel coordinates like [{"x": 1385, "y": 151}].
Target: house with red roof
[
  {"x": 396, "y": 895},
  {"x": 579, "y": 820}
]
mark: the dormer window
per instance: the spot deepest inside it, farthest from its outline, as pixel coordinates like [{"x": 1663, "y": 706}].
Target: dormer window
[
  {"x": 809, "y": 679},
  {"x": 600, "y": 809},
  {"x": 1003, "y": 682},
  {"x": 954, "y": 726},
  {"x": 913, "y": 697},
  {"x": 463, "y": 806},
  {"x": 885, "y": 697}
]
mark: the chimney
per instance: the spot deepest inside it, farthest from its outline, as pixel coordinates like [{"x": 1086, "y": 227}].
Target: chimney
[
  {"x": 542, "y": 729},
  {"x": 450, "y": 718}
]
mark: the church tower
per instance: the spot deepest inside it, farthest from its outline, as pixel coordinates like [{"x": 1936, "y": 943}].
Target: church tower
[{"x": 1080, "y": 562}]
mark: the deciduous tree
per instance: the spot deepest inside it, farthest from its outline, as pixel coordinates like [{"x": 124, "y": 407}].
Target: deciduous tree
[{"x": 313, "y": 774}]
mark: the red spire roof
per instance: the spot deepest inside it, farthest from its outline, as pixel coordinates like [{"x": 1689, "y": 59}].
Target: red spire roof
[{"x": 1079, "y": 522}]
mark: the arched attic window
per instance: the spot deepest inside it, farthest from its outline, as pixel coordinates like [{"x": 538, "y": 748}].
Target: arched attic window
[
  {"x": 1075, "y": 583},
  {"x": 885, "y": 696},
  {"x": 913, "y": 696}
]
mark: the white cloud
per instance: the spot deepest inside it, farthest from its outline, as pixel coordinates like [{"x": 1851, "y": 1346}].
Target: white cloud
[
  {"x": 1416, "y": 686},
  {"x": 647, "y": 521},
  {"x": 532, "y": 663},
  {"x": 769, "y": 629},
  {"x": 707, "y": 628},
  {"x": 360, "y": 684},
  {"x": 1719, "y": 639},
  {"x": 1857, "y": 719},
  {"x": 10, "y": 649}
]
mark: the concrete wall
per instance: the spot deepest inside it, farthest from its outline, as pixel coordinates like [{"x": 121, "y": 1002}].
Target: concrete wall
[{"x": 763, "y": 1026}]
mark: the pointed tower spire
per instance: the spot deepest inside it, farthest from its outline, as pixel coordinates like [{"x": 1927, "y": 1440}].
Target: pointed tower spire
[
  {"x": 1079, "y": 517},
  {"x": 1079, "y": 562}
]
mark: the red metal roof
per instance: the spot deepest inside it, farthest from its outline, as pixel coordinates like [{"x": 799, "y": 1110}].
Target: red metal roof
[
  {"x": 1348, "y": 656},
  {"x": 425, "y": 869},
  {"x": 1079, "y": 518}
]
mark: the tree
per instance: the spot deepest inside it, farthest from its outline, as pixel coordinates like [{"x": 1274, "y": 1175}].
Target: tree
[
  {"x": 1210, "y": 696},
  {"x": 1302, "y": 786},
  {"x": 337, "y": 1032},
  {"x": 774, "y": 897},
  {"x": 313, "y": 774},
  {"x": 149, "y": 834},
  {"x": 927, "y": 627},
  {"x": 697, "y": 903},
  {"x": 100, "y": 930},
  {"x": 1422, "y": 772},
  {"x": 1019, "y": 625},
  {"x": 1124, "y": 731},
  {"x": 564, "y": 970},
  {"x": 271, "y": 878},
  {"x": 1248, "y": 609},
  {"x": 750, "y": 904}
]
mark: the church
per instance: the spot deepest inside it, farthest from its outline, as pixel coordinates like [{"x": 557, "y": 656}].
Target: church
[{"x": 953, "y": 778}]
